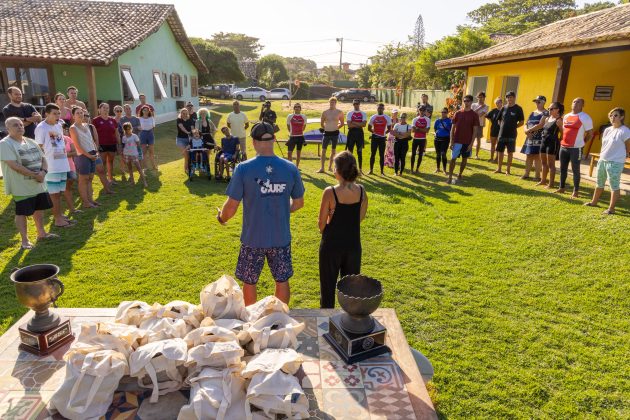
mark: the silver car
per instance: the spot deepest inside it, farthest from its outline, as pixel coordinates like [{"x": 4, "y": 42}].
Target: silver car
[
  {"x": 251, "y": 93},
  {"x": 280, "y": 93}
]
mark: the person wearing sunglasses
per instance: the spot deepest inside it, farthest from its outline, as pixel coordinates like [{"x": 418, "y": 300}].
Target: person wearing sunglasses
[
  {"x": 296, "y": 123},
  {"x": 271, "y": 189},
  {"x": 510, "y": 119},
  {"x": 463, "y": 129},
  {"x": 615, "y": 150},
  {"x": 533, "y": 130},
  {"x": 551, "y": 132},
  {"x": 495, "y": 125}
]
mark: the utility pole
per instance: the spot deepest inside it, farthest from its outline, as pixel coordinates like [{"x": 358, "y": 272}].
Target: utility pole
[{"x": 340, "y": 40}]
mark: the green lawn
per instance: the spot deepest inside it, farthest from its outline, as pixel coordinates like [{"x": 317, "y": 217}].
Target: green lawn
[{"x": 519, "y": 297}]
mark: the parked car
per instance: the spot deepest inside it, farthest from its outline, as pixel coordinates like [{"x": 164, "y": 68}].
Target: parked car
[
  {"x": 280, "y": 93},
  {"x": 252, "y": 93},
  {"x": 215, "y": 91},
  {"x": 351, "y": 94}
]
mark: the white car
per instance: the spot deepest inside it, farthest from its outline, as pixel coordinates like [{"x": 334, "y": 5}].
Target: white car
[
  {"x": 280, "y": 93},
  {"x": 253, "y": 93}
]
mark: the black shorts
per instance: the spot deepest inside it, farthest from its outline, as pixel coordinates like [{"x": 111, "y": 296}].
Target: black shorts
[
  {"x": 295, "y": 141},
  {"x": 550, "y": 147},
  {"x": 108, "y": 148},
  {"x": 441, "y": 144},
  {"x": 330, "y": 137},
  {"x": 30, "y": 205},
  {"x": 356, "y": 138},
  {"x": 506, "y": 142}
]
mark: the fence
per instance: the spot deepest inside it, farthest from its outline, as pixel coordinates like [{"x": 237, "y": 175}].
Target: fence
[{"x": 411, "y": 97}]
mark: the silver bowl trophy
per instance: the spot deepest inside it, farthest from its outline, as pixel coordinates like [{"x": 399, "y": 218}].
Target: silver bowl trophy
[
  {"x": 355, "y": 334},
  {"x": 37, "y": 287}
]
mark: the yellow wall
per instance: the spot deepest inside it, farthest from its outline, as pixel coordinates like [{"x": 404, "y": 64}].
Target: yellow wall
[
  {"x": 536, "y": 77},
  {"x": 606, "y": 69}
]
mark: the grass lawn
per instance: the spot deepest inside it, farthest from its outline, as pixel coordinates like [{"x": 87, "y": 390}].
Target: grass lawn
[{"x": 519, "y": 297}]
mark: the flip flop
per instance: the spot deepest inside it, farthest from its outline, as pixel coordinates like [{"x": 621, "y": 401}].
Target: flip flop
[
  {"x": 589, "y": 204},
  {"x": 64, "y": 226},
  {"x": 25, "y": 247},
  {"x": 608, "y": 212},
  {"x": 48, "y": 236}
]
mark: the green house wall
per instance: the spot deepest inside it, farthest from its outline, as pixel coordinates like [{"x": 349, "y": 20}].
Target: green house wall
[{"x": 108, "y": 87}]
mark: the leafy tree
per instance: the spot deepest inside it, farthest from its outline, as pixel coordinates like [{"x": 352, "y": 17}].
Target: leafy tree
[
  {"x": 270, "y": 70},
  {"x": 222, "y": 64},
  {"x": 519, "y": 16},
  {"x": 393, "y": 65},
  {"x": 593, "y": 7},
  {"x": 245, "y": 47},
  {"x": 296, "y": 65},
  {"x": 363, "y": 75}
]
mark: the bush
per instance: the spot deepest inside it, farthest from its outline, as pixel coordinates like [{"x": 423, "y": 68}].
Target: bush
[{"x": 303, "y": 92}]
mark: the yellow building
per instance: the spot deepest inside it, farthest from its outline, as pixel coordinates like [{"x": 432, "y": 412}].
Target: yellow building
[{"x": 586, "y": 56}]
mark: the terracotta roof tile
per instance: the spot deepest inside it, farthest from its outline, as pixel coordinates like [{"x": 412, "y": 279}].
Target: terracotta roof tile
[
  {"x": 594, "y": 30},
  {"x": 95, "y": 32}
]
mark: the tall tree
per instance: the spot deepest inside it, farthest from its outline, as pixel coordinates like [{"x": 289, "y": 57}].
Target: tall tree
[
  {"x": 245, "y": 47},
  {"x": 270, "y": 70},
  {"x": 222, "y": 64},
  {"x": 418, "y": 33},
  {"x": 393, "y": 65},
  {"x": 296, "y": 65},
  {"x": 518, "y": 16}
]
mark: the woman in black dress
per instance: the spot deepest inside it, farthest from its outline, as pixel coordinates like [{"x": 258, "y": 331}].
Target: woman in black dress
[{"x": 551, "y": 133}]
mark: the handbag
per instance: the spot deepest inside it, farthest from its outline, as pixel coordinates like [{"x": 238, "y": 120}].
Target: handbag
[
  {"x": 203, "y": 335},
  {"x": 163, "y": 329},
  {"x": 265, "y": 307},
  {"x": 108, "y": 336},
  {"x": 237, "y": 326},
  {"x": 272, "y": 360},
  {"x": 178, "y": 309},
  {"x": 223, "y": 299},
  {"x": 276, "y": 330},
  {"x": 276, "y": 393}
]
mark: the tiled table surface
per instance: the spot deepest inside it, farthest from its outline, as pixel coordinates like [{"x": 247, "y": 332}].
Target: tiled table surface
[{"x": 384, "y": 387}]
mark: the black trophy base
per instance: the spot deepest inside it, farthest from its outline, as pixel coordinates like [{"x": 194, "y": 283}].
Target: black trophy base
[
  {"x": 45, "y": 342},
  {"x": 353, "y": 348}
]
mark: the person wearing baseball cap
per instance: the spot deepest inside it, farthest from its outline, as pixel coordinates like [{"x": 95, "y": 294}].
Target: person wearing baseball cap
[
  {"x": 510, "y": 118},
  {"x": 533, "y": 130},
  {"x": 271, "y": 189}
]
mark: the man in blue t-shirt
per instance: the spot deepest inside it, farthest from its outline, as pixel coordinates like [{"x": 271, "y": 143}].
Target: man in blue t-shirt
[{"x": 271, "y": 189}]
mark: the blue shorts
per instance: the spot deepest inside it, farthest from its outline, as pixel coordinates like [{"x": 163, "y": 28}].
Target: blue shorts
[
  {"x": 227, "y": 156},
  {"x": 56, "y": 182},
  {"x": 182, "y": 142},
  {"x": 72, "y": 175},
  {"x": 251, "y": 260},
  {"x": 460, "y": 150},
  {"x": 85, "y": 165},
  {"x": 147, "y": 137}
]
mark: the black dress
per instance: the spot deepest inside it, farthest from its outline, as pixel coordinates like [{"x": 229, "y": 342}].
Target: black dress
[{"x": 340, "y": 248}]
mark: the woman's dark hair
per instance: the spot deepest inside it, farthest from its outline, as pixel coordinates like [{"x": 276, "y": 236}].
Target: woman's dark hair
[
  {"x": 75, "y": 109},
  {"x": 58, "y": 94},
  {"x": 150, "y": 114},
  {"x": 559, "y": 106},
  {"x": 347, "y": 166}
]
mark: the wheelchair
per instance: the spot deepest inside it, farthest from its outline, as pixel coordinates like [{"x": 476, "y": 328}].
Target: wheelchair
[{"x": 231, "y": 165}]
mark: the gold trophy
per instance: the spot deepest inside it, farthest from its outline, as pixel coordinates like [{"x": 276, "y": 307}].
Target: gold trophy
[{"x": 37, "y": 287}]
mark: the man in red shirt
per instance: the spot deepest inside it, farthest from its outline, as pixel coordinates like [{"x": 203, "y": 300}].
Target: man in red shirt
[
  {"x": 464, "y": 123},
  {"x": 143, "y": 102},
  {"x": 296, "y": 123},
  {"x": 379, "y": 125}
]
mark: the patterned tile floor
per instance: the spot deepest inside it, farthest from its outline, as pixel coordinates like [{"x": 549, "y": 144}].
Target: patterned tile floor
[{"x": 373, "y": 389}]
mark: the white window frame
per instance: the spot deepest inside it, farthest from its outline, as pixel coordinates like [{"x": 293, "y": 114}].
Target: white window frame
[
  {"x": 472, "y": 85},
  {"x": 131, "y": 84},
  {"x": 157, "y": 79}
]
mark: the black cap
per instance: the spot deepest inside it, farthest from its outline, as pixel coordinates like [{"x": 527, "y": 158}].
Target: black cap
[
  {"x": 510, "y": 93},
  {"x": 540, "y": 98},
  {"x": 260, "y": 129}
]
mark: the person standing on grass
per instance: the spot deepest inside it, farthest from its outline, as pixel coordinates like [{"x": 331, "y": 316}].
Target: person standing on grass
[
  {"x": 577, "y": 130},
  {"x": 551, "y": 144},
  {"x": 128, "y": 117},
  {"x": 356, "y": 120},
  {"x": 615, "y": 150},
  {"x": 25, "y": 112},
  {"x": 49, "y": 136},
  {"x": 147, "y": 136},
  {"x": 331, "y": 123},
  {"x": 342, "y": 209},
  {"x": 271, "y": 189},
  {"x": 118, "y": 116},
  {"x": 533, "y": 130},
  {"x": 379, "y": 125},
  {"x": 24, "y": 169},
  {"x": 391, "y": 139},
  {"x": 296, "y": 123},
  {"x": 402, "y": 132},
  {"x": 511, "y": 117},
  {"x": 100, "y": 166},
  {"x": 442, "y": 129},
  {"x": 131, "y": 143},
  {"x": 237, "y": 122},
  {"x": 462, "y": 132},
  {"x": 108, "y": 139},
  {"x": 73, "y": 100},
  {"x": 143, "y": 103},
  {"x": 87, "y": 156},
  {"x": 420, "y": 126},
  {"x": 495, "y": 126},
  {"x": 428, "y": 108},
  {"x": 185, "y": 126},
  {"x": 481, "y": 109},
  {"x": 71, "y": 152}
]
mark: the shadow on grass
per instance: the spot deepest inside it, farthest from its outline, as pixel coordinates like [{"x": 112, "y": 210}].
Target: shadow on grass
[{"x": 203, "y": 187}]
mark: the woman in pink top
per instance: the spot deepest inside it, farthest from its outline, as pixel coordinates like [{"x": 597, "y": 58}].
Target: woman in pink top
[
  {"x": 72, "y": 175},
  {"x": 66, "y": 113}
]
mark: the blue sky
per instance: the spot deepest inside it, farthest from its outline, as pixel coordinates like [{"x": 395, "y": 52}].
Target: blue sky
[{"x": 309, "y": 29}]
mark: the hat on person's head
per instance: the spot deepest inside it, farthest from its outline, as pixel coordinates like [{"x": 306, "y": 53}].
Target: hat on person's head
[
  {"x": 395, "y": 111},
  {"x": 189, "y": 103},
  {"x": 260, "y": 129},
  {"x": 510, "y": 93},
  {"x": 540, "y": 98}
]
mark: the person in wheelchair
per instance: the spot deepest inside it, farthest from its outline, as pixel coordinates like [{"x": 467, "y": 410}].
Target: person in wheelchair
[
  {"x": 199, "y": 149},
  {"x": 228, "y": 154}
]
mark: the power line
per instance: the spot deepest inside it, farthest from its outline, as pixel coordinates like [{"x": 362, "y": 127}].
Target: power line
[
  {"x": 317, "y": 55},
  {"x": 301, "y": 42},
  {"x": 353, "y": 53}
]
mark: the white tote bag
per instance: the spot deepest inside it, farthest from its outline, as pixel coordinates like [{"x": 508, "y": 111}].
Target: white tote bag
[
  {"x": 272, "y": 360},
  {"x": 90, "y": 383},
  {"x": 237, "y": 326},
  {"x": 159, "y": 365},
  {"x": 276, "y": 330},
  {"x": 178, "y": 309},
  {"x": 109, "y": 336},
  {"x": 215, "y": 394},
  {"x": 219, "y": 355},
  {"x": 158, "y": 329},
  {"x": 203, "y": 335},
  {"x": 264, "y": 307},
  {"x": 223, "y": 299},
  {"x": 134, "y": 312},
  {"x": 276, "y": 393}
]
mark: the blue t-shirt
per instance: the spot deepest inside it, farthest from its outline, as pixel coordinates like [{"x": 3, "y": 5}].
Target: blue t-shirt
[
  {"x": 228, "y": 144},
  {"x": 442, "y": 127},
  {"x": 266, "y": 185}
]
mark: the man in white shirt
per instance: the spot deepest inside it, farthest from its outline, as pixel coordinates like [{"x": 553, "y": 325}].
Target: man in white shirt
[
  {"x": 237, "y": 122},
  {"x": 481, "y": 108}
]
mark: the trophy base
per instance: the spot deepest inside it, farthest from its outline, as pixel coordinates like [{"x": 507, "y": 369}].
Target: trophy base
[
  {"x": 45, "y": 342},
  {"x": 352, "y": 347}
]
